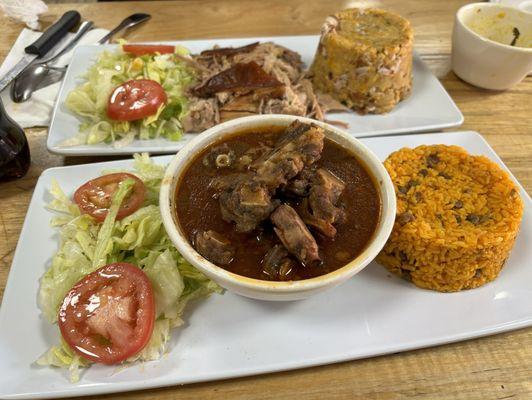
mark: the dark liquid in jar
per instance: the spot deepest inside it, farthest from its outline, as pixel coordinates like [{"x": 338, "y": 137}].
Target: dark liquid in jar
[{"x": 14, "y": 149}]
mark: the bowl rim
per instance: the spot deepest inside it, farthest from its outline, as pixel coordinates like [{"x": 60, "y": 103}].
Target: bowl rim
[
  {"x": 467, "y": 7},
  {"x": 188, "y": 152}
]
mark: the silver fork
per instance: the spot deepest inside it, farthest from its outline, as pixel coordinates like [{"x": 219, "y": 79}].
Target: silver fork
[{"x": 129, "y": 22}]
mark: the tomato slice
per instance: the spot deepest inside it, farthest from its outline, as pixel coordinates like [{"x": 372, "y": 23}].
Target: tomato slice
[
  {"x": 108, "y": 316},
  {"x": 142, "y": 49},
  {"x": 135, "y": 99},
  {"x": 95, "y": 196}
]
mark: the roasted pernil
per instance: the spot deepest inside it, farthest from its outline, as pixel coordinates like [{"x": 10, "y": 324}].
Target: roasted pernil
[
  {"x": 364, "y": 59},
  {"x": 260, "y": 78}
]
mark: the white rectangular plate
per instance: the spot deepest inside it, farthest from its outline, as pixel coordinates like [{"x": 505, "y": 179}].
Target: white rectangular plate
[
  {"x": 428, "y": 108},
  {"x": 231, "y": 336}
]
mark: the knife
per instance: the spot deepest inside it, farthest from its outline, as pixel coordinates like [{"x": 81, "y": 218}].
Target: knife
[{"x": 42, "y": 45}]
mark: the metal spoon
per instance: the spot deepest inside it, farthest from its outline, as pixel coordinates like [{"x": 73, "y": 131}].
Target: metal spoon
[
  {"x": 25, "y": 84},
  {"x": 43, "y": 74}
]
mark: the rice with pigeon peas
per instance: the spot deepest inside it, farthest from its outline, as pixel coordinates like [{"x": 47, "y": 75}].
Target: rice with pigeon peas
[{"x": 457, "y": 218}]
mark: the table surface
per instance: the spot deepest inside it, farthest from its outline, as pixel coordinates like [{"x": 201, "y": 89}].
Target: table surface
[{"x": 497, "y": 367}]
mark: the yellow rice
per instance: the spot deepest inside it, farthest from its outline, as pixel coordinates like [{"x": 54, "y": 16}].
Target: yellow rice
[{"x": 457, "y": 218}]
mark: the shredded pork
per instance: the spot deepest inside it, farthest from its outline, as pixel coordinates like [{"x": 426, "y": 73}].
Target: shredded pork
[{"x": 230, "y": 86}]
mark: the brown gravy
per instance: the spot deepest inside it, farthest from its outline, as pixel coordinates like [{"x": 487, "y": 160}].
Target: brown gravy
[{"x": 196, "y": 208}]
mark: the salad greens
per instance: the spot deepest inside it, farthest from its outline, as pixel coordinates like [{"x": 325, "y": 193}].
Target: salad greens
[
  {"x": 140, "y": 239},
  {"x": 89, "y": 100}
]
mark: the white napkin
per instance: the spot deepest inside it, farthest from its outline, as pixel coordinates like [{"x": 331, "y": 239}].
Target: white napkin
[
  {"x": 38, "y": 110},
  {"x": 26, "y": 11}
]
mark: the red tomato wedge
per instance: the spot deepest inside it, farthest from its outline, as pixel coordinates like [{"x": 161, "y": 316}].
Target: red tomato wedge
[
  {"x": 142, "y": 49},
  {"x": 95, "y": 196},
  {"x": 108, "y": 316},
  {"x": 135, "y": 99}
]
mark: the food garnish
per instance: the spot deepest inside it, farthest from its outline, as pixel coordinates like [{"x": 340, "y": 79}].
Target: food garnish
[
  {"x": 108, "y": 316},
  {"x": 136, "y": 99},
  {"x": 143, "y": 49},
  {"x": 138, "y": 242},
  {"x": 109, "y": 102},
  {"x": 94, "y": 197}
]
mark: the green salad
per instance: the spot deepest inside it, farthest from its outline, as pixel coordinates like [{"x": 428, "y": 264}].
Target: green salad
[
  {"x": 139, "y": 239},
  {"x": 89, "y": 101}
]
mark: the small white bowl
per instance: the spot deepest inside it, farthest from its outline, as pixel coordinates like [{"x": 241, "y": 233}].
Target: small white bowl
[
  {"x": 488, "y": 63},
  {"x": 268, "y": 290}
]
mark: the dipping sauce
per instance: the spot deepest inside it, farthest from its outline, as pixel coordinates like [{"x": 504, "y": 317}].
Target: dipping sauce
[{"x": 280, "y": 243}]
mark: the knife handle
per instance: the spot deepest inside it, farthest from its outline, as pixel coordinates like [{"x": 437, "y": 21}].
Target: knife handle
[{"x": 54, "y": 34}]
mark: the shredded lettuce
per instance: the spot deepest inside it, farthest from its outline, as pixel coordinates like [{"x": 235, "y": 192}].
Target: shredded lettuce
[
  {"x": 140, "y": 239},
  {"x": 63, "y": 356},
  {"x": 104, "y": 241},
  {"x": 89, "y": 100}
]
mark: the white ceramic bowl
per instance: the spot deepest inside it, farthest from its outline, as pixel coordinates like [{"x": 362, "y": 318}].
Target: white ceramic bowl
[
  {"x": 487, "y": 63},
  {"x": 268, "y": 290}
]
